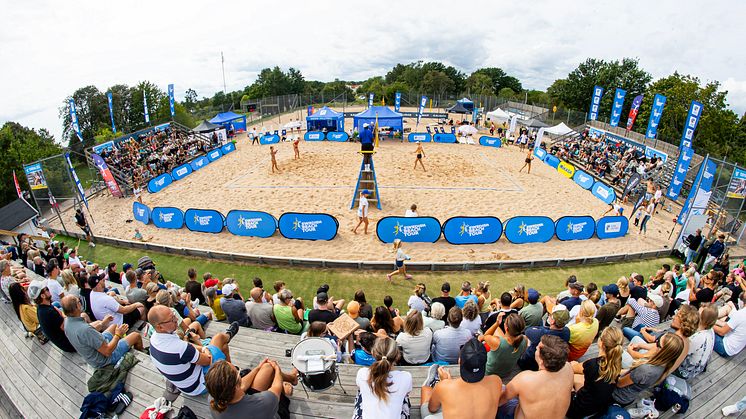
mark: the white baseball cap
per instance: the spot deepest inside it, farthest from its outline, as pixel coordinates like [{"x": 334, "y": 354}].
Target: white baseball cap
[{"x": 229, "y": 288}]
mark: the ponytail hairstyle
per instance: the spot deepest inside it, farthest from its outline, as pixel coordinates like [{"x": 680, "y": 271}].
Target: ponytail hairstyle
[
  {"x": 610, "y": 365},
  {"x": 221, "y": 381},
  {"x": 671, "y": 347},
  {"x": 514, "y": 327},
  {"x": 623, "y": 284},
  {"x": 386, "y": 353},
  {"x": 587, "y": 311}
]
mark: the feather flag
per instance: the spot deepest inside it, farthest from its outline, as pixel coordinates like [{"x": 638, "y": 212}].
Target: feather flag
[{"x": 375, "y": 133}]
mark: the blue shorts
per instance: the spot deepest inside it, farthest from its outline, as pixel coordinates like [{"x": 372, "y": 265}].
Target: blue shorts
[
  {"x": 122, "y": 348},
  {"x": 399, "y": 263},
  {"x": 217, "y": 355}
]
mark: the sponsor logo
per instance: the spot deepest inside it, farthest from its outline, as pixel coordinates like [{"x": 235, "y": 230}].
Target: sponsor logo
[
  {"x": 322, "y": 112},
  {"x": 614, "y": 227},
  {"x": 141, "y": 212},
  {"x": 160, "y": 181},
  {"x": 314, "y": 136},
  {"x": 203, "y": 221},
  {"x": 410, "y": 230},
  {"x": 601, "y": 190},
  {"x": 199, "y": 163},
  {"x": 248, "y": 223},
  {"x": 529, "y": 229},
  {"x": 616, "y": 114},
  {"x": 419, "y": 137},
  {"x": 215, "y": 154},
  {"x": 166, "y": 217},
  {"x": 659, "y": 102},
  {"x": 306, "y": 226},
  {"x": 472, "y": 230},
  {"x": 576, "y": 228},
  {"x": 182, "y": 171}
]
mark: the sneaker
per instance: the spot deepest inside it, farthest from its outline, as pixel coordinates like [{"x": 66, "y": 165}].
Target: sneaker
[
  {"x": 91, "y": 244},
  {"x": 232, "y": 330},
  {"x": 195, "y": 303},
  {"x": 730, "y": 410},
  {"x": 432, "y": 376},
  {"x": 643, "y": 412}
]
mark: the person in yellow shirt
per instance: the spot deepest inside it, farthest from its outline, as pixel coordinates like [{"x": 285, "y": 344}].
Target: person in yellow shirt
[
  {"x": 25, "y": 311},
  {"x": 583, "y": 331}
]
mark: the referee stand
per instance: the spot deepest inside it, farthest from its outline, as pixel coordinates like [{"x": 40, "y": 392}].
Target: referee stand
[{"x": 366, "y": 180}]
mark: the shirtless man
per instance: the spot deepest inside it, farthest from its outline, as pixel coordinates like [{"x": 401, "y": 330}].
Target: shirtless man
[
  {"x": 420, "y": 154},
  {"x": 473, "y": 395},
  {"x": 541, "y": 394},
  {"x": 273, "y": 153}
]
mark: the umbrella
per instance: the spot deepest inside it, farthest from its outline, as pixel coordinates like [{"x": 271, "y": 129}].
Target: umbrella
[{"x": 467, "y": 130}]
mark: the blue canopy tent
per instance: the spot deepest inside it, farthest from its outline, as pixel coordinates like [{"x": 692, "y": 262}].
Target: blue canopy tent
[
  {"x": 326, "y": 118},
  {"x": 386, "y": 118},
  {"x": 466, "y": 103},
  {"x": 227, "y": 118}
]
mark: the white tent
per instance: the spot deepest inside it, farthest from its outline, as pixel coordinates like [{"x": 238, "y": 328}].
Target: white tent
[
  {"x": 559, "y": 129},
  {"x": 498, "y": 116},
  {"x": 292, "y": 125}
]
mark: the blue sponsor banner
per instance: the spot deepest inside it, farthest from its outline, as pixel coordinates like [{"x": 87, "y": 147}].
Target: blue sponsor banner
[
  {"x": 250, "y": 223},
  {"x": 337, "y": 136},
  {"x": 685, "y": 150},
  {"x": 595, "y": 102},
  {"x": 199, "y": 163},
  {"x": 552, "y": 160},
  {"x": 612, "y": 227},
  {"x": 308, "y": 226},
  {"x": 472, "y": 230},
  {"x": 180, "y": 172},
  {"x": 490, "y": 141},
  {"x": 228, "y": 147},
  {"x": 521, "y": 230},
  {"x": 650, "y": 152},
  {"x": 583, "y": 179},
  {"x": 616, "y": 109},
  {"x": 313, "y": 136},
  {"x": 214, "y": 154},
  {"x": 421, "y": 137},
  {"x": 159, "y": 182},
  {"x": 370, "y": 100},
  {"x": 269, "y": 139},
  {"x": 659, "y": 101},
  {"x": 423, "y": 102},
  {"x": 603, "y": 192},
  {"x": 444, "y": 138},
  {"x": 110, "y": 99},
  {"x": 167, "y": 217},
  {"x": 103, "y": 146},
  {"x": 171, "y": 100},
  {"x": 408, "y": 229},
  {"x": 704, "y": 179},
  {"x": 540, "y": 153},
  {"x": 145, "y": 107},
  {"x": 74, "y": 120},
  {"x": 74, "y": 175},
  {"x": 204, "y": 220},
  {"x": 575, "y": 228},
  {"x": 397, "y": 102},
  {"x": 141, "y": 212}
]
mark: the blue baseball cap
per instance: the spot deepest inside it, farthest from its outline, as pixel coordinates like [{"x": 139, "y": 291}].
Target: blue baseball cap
[
  {"x": 612, "y": 289},
  {"x": 533, "y": 296},
  {"x": 366, "y": 192}
]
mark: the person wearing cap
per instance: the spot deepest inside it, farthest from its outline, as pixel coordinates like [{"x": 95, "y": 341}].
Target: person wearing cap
[
  {"x": 545, "y": 392},
  {"x": 645, "y": 312},
  {"x": 362, "y": 211},
  {"x": 445, "y": 297},
  {"x": 608, "y": 311},
  {"x": 336, "y": 305},
  {"x": 233, "y": 305},
  {"x": 576, "y": 289},
  {"x": 366, "y": 144},
  {"x": 353, "y": 310},
  {"x": 532, "y": 312},
  {"x": 473, "y": 394},
  {"x": 259, "y": 312},
  {"x": 465, "y": 295},
  {"x": 324, "y": 313},
  {"x": 557, "y": 320},
  {"x": 566, "y": 293},
  {"x": 103, "y": 304},
  {"x": 51, "y": 320}
]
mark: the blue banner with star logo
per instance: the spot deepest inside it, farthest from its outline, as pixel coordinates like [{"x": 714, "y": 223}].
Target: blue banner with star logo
[
  {"x": 250, "y": 223},
  {"x": 141, "y": 212},
  {"x": 408, "y": 229},
  {"x": 204, "y": 220},
  {"x": 308, "y": 226},
  {"x": 167, "y": 217},
  {"x": 575, "y": 227},
  {"x": 472, "y": 230},
  {"x": 532, "y": 229}
]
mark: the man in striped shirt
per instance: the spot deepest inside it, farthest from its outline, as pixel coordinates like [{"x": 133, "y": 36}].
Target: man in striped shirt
[
  {"x": 646, "y": 314},
  {"x": 184, "y": 364}
]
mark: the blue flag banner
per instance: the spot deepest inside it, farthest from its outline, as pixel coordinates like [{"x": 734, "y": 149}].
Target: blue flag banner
[
  {"x": 250, "y": 223},
  {"x": 370, "y": 100},
  {"x": 583, "y": 179},
  {"x": 616, "y": 109},
  {"x": 145, "y": 107},
  {"x": 141, "y": 212},
  {"x": 269, "y": 139},
  {"x": 659, "y": 101},
  {"x": 472, "y": 230},
  {"x": 603, "y": 192},
  {"x": 337, "y": 136},
  {"x": 308, "y": 226},
  {"x": 701, "y": 190},
  {"x": 110, "y": 99},
  {"x": 180, "y": 172},
  {"x": 313, "y": 136},
  {"x": 612, "y": 227},
  {"x": 445, "y": 138},
  {"x": 552, "y": 160},
  {"x": 397, "y": 102},
  {"x": 492, "y": 142},
  {"x": 214, "y": 154},
  {"x": 595, "y": 102},
  {"x": 575, "y": 228},
  {"x": 78, "y": 185},
  {"x": 685, "y": 150},
  {"x": 204, "y": 220},
  {"x": 423, "y": 103},
  {"x": 167, "y": 217},
  {"x": 421, "y": 137},
  {"x": 171, "y": 100},
  {"x": 159, "y": 182},
  {"x": 199, "y": 163},
  {"x": 74, "y": 120},
  {"x": 408, "y": 229},
  {"x": 521, "y": 230},
  {"x": 228, "y": 147}
]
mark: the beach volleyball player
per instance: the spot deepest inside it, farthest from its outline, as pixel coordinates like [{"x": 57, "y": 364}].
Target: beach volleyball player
[{"x": 362, "y": 211}]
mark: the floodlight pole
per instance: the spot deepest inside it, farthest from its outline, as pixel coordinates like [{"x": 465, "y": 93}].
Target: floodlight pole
[{"x": 222, "y": 64}]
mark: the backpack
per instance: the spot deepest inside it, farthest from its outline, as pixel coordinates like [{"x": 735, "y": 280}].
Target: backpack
[
  {"x": 186, "y": 413},
  {"x": 674, "y": 393}
]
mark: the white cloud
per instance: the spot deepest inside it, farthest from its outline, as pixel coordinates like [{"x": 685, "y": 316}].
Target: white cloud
[{"x": 51, "y": 48}]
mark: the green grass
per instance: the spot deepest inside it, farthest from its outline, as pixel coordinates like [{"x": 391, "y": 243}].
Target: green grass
[{"x": 344, "y": 283}]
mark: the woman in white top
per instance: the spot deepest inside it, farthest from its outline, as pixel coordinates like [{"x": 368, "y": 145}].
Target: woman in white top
[
  {"x": 362, "y": 211},
  {"x": 400, "y": 258},
  {"x": 415, "y": 340},
  {"x": 649, "y": 208},
  {"x": 70, "y": 284},
  {"x": 417, "y": 301},
  {"x": 435, "y": 321},
  {"x": 411, "y": 212},
  {"x": 472, "y": 321},
  {"x": 383, "y": 392}
]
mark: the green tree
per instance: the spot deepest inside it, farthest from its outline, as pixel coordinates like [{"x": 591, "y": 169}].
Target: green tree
[
  {"x": 438, "y": 83},
  {"x": 500, "y": 79},
  {"x": 190, "y": 99},
  {"x": 479, "y": 84},
  {"x": 92, "y": 110}
]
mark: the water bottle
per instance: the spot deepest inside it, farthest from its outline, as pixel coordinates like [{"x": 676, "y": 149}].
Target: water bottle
[{"x": 675, "y": 408}]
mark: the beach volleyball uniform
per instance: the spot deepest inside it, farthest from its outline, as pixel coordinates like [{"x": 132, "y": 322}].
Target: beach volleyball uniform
[
  {"x": 400, "y": 257},
  {"x": 528, "y": 159},
  {"x": 419, "y": 156},
  {"x": 363, "y": 207},
  {"x": 137, "y": 192}
]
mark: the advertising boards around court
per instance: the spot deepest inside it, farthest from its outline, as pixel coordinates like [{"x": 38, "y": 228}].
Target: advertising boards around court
[
  {"x": 204, "y": 220},
  {"x": 444, "y": 138},
  {"x": 214, "y": 154},
  {"x": 103, "y": 169},
  {"x": 141, "y": 212},
  {"x": 167, "y": 217},
  {"x": 35, "y": 176},
  {"x": 313, "y": 136},
  {"x": 583, "y": 179},
  {"x": 540, "y": 153},
  {"x": 612, "y": 227},
  {"x": 575, "y": 227},
  {"x": 603, "y": 192},
  {"x": 737, "y": 186},
  {"x": 651, "y": 152},
  {"x": 250, "y": 223},
  {"x": 490, "y": 141},
  {"x": 632, "y": 183},
  {"x": 180, "y": 172},
  {"x": 472, "y": 230},
  {"x": 408, "y": 229},
  {"x": 552, "y": 160},
  {"x": 109, "y": 145},
  {"x": 566, "y": 169},
  {"x": 337, "y": 136},
  {"x": 531, "y": 229},
  {"x": 199, "y": 163},
  {"x": 228, "y": 147},
  {"x": 269, "y": 139},
  {"x": 159, "y": 182},
  {"x": 419, "y": 137},
  {"x": 308, "y": 226}
]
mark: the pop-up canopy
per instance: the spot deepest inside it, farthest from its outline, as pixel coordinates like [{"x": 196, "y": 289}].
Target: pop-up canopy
[
  {"x": 386, "y": 118},
  {"x": 326, "y": 118},
  {"x": 227, "y": 118}
]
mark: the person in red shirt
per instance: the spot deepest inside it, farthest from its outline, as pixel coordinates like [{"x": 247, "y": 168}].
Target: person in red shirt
[{"x": 209, "y": 280}]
